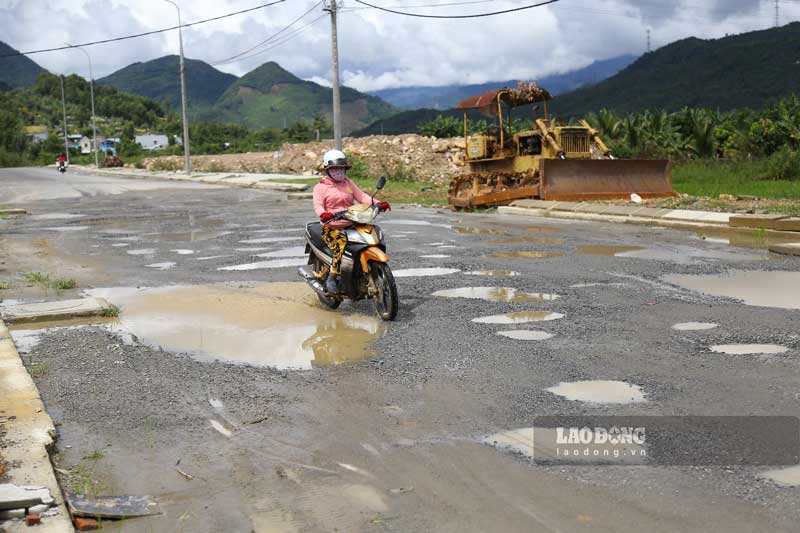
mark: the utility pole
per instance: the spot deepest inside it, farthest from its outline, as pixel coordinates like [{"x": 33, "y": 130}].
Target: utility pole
[
  {"x": 91, "y": 92},
  {"x": 64, "y": 109},
  {"x": 648, "y": 41},
  {"x": 777, "y": 13},
  {"x": 187, "y": 160},
  {"x": 337, "y": 102}
]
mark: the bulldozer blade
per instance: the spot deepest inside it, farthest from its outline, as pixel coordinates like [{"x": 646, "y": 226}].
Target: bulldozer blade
[{"x": 604, "y": 179}]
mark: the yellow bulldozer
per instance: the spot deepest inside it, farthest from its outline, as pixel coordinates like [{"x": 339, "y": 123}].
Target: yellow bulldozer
[{"x": 550, "y": 161}]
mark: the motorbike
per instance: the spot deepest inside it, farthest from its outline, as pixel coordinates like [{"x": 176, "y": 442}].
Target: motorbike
[
  {"x": 365, "y": 271},
  {"x": 62, "y": 166}
]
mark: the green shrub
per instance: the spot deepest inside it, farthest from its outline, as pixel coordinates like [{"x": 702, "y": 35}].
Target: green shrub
[
  {"x": 216, "y": 166},
  {"x": 358, "y": 168},
  {"x": 442, "y": 127},
  {"x": 784, "y": 164},
  {"x": 166, "y": 165}
]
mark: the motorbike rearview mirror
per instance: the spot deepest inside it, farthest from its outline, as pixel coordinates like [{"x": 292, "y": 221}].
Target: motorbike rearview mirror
[{"x": 381, "y": 183}]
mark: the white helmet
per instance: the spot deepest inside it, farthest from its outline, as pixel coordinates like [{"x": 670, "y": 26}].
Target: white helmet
[{"x": 334, "y": 158}]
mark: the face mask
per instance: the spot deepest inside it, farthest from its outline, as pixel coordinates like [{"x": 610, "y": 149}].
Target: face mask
[{"x": 337, "y": 173}]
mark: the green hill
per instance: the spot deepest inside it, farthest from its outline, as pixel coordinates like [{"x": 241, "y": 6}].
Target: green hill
[
  {"x": 739, "y": 71},
  {"x": 270, "y": 96},
  {"x": 159, "y": 79},
  {"x": 16, "y": 71}
]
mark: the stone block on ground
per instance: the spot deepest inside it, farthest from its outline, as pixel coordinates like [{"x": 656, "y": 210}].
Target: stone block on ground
[
  {"x": 792, "y": 248},
  {"x": 20, "y": 497},
  {"x": 788, "y": 224},
  {"x": 755, "y": 221},
  {"x": 56, "y": 310}
]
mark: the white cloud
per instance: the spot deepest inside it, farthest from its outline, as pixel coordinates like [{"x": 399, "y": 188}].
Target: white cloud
[{"x": 378, "y": 49}]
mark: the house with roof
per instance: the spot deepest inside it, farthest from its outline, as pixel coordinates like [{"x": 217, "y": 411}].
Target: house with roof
[
  {"x": 86, "y": 144},
  {"x": 154, "y": 141},
  {"x": 37, "y": 133}
]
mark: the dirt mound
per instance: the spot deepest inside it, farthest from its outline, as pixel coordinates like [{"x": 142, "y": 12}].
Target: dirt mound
[{"x": 423, "y": 158}]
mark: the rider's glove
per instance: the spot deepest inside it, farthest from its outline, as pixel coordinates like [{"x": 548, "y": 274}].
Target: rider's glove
[
  {"x": 384, "y": 206},
  {"x": 326, "y": 216}
]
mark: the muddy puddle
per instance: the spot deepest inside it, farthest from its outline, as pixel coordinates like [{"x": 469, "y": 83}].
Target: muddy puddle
[
  {"x": 292, "y": 251},
  {"x": 472, "y": 230},
  {"x": 275, "y": 324},
  {"x": 757, "y": 288},
  {"x": 272, "y": 263},
  {"x": 744, "y": 239},
  {"x": 423, "y": 272},
  {"x": 496, "y": 294},
  {"x": 520, "y": 317},
  {"x": 694, "y": 326},
  {"x": 525, "y": 255},
  {"x": 531, "y": 240},
  {"x": 526, "y": 335},
  {"x": 599, "y": 392},
  {"x": 434, "y": 256},
  {"x": 749, "y": 349},
  {"x": 142, "y": 251},
  {"x": 268, "y": 240},
  {"x": 162, "y": 266},
  {"x": 606, "y": 249},
  {"x": 544, "y": 443},
  {"x": 493, "y": 273},
  {"x": 785, "y": 477},
  {"x": 188, "y": 236}
]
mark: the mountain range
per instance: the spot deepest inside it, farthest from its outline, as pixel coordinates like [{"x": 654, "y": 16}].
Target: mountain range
[
  {"x": 449, "y": 96},
  {"x": 16, "y": 70}
]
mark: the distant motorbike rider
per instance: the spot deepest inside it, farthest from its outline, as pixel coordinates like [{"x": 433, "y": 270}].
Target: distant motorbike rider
[
  {"x": 336, "y": 192},
  {"x": 61, "y": 160}
]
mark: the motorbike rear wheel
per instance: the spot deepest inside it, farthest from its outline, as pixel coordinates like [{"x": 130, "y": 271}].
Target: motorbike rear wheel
[
  {"x": 385, "y": 299},
  {"x": 317, "y": 266}
]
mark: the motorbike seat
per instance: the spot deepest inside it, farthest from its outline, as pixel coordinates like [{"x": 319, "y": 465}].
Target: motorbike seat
[{"x": 315, "y": 231}]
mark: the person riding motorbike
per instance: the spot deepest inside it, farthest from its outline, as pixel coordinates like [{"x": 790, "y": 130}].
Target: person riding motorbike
[
  {"x": 336, "y": 192},
  {"x": 61, "y": 159}
]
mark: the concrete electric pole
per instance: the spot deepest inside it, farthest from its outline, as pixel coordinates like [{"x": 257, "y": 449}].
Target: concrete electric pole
[
  {"x": 64, "y": 109},
  {"x": 91, "y": 92},
  {"x": 187, "y": 160},
  {"x": 331, "y": 7}
]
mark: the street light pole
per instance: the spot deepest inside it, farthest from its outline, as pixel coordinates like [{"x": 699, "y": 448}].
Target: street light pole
[
  {"x": 91, "y": 91},
  {"x": 64, "y": 109},
  {"x": 337, "y": 102},
  {"x": 187, "y": 161}
]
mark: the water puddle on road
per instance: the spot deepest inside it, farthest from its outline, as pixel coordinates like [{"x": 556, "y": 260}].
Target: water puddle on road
[
  {"x": 56, "y": 216},
  {"x": 471, "y": 230},
  {"x": 423, "y": 272},
  {"x": 189, "y": 236},
  {"x": 599, "y": 391},
  {"x": 749, "y": 349},
  {"x": 273, "y": 263},
  {"x": 532, "y": 240},
  {"x": 519, "y": 317},
  {"x": 434, "y": 256},
  {"x": 265, "y": 240},
  {"x": 66, "y": 229},
  {"x": 142, "y": 251},
  {"x": 162, "y": 266},
  {"x": 694, "y": 326},
  {"x": 757, "y": 288},
  {"x": 785, "y": 477},
  {"x": 181, "y": 251},
  {"x": 526, "y": 335},
  {"x": 292, "y": 251},
  {"x": 606, "y": 249},
  {"x": 541, "y": 229},
  {"x": 493, "y": 273},
  {"x": 274, "y": 324},
  {"x": 525, "y": 255},
  {"x": 496, "y": 294}
]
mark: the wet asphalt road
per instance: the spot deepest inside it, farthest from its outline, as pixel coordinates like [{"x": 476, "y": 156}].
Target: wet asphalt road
[{"x": 394, "y": 442}]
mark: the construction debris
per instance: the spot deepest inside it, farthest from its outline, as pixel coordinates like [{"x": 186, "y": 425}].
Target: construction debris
[
  {"x": 114, "y": 507},
  {"x": 21, "y": 497},
  {"x": 425, "y": 159}
]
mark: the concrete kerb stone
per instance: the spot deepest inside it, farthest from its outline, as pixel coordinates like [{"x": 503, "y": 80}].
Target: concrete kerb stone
[
  {"x": 29, "y": 433},
  {"x": 56, "y": 310},
  {"x": 791, "y": 248}
]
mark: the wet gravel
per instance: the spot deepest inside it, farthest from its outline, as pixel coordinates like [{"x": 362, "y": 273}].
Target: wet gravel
[{"x": 131, "y": 399}]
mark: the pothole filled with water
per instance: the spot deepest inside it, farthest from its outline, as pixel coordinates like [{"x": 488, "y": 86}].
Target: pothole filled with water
[
  {"x": 785, "y": 477},
  {"x": 599, "y": 392},
  {"x": 525, "y": 255},
  {"x": 754, "y": 287},
  {"x": 532, "y": 240},
  {"x": 749, "y": 349},
  {"x": 275, "y": 324},
  {"x": 423, "y": 272},
  {"x": 694, "y": 326},
  {"x": 606, "y": 249},
  {"x": 520, "y": 317},
  {"x": 526, "y": 335},
  {"x": 496, "y": 294},
  {"x": 471, "y": 230},
  {"x": 493, "y": 273}
]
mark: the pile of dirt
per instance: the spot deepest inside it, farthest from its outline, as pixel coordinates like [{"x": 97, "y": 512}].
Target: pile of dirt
[{"x": 422, "y": 158}]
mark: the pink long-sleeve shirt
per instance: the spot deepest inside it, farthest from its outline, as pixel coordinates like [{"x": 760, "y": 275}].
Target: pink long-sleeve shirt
[{"x": 332, "y": 196}]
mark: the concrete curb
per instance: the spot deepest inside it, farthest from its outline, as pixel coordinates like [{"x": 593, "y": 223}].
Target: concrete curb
[
  {"x": 29, "y": 434},
  {"x": 790, "y": 248},
  {"x": 270, "y": 182},
  {"x": 55, "y": 310}
]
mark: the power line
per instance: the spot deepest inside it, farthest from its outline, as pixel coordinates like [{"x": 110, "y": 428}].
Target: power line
[
  {"x": 268, "y": 39},
  {"x": 477, "y": 15},
  {"x": 115, "y": 39},
  {"x": 283, "y": 40}
]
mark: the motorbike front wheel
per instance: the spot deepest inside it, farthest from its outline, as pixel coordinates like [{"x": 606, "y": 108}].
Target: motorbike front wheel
[{"x": 385, "y": 298}]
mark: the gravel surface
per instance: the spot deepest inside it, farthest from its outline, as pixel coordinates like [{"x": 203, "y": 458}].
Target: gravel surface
[{"x": 394, "y": 442}]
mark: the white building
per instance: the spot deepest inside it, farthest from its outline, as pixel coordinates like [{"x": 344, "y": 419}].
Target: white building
[
  {"x": 154, "y": 141},
  {"x": 86, "y": 144}
]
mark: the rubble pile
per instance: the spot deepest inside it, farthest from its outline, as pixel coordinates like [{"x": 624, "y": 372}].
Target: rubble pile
[{"x": 426, "y": 159}]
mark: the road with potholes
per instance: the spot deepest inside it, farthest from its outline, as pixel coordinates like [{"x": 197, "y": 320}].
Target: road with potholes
[{"x": 223, "y": 369}]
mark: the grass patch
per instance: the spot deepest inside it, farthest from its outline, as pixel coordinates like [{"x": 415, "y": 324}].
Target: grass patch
[
  {"x": 746, "y": 178},
  {"x": 400, "y": 192},
  {"x": 38, "y": 370},
  {"x": 37, "y": 278},
  {"x": 95, "y": 455},
  {"x": 5, "y": 285},
  {"x": 112, "y": 311},
  {"x": 63, "y": 284}
]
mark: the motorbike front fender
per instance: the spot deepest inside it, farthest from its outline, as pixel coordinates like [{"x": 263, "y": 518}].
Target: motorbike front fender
[{"x": 373, "y": 253}]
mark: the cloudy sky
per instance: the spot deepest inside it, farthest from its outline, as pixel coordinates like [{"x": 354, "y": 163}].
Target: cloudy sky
[{"x": 377, "y": 49}]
